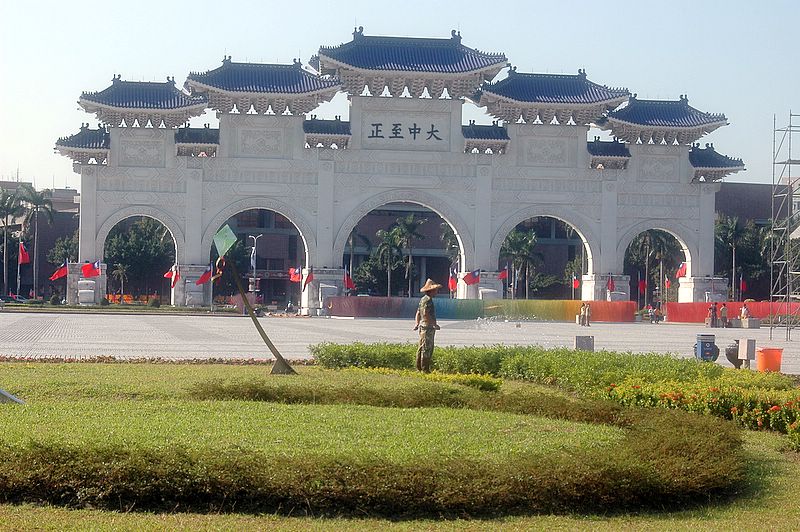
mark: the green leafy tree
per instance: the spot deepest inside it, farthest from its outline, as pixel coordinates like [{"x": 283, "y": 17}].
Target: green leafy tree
[
  {"x": 729, "y": 233},
  {"x": 146, "y": 248},
  {"x": 370, "y": 276},
  {"x": 10, "y": 208},
  {"x": 388, "y": 253},
  {"x": 351, "y": 241},
  {"x": 64, "y": 249},
  {"x": 657, "y": 253},
  {"x": 36, "y": 203},
  {"x": 407, "y": 228}
]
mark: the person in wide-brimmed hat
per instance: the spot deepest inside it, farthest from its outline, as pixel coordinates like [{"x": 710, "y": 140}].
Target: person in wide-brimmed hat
[{"x": 425, "y": 322}]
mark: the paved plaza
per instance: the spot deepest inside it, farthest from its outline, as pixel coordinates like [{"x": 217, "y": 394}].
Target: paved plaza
[{"x": 57, "y": 335}]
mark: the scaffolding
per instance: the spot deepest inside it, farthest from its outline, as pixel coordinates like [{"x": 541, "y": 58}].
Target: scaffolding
[{"x": 785, "y": 236}]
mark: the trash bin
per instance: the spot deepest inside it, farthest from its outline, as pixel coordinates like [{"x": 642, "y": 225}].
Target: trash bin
[
  {"x": 769, "y": 358},
  {"x": 705, "y": 349}
]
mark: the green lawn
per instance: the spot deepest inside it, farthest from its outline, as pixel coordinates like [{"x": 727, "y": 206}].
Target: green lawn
[{"x": 346, "y": 416}]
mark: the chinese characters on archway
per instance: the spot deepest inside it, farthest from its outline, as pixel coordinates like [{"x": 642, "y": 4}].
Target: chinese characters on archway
[{"x": 398, "y": 130}]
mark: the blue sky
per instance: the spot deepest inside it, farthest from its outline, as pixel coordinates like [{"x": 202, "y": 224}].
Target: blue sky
[{"x": 733, "y": 57}]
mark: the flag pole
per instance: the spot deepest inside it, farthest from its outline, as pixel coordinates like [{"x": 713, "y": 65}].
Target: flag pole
[{"x": 19, "y": 248}]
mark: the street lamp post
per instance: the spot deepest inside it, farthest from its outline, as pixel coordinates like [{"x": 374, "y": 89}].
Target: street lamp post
[{"x": 253, "y": 255}]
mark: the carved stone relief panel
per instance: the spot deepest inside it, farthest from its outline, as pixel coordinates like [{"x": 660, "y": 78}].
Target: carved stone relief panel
[
  {"x": 142, "y": 180},
  {"x": 141, "y": 153},
  {"x": 547, "y": 152},
  {"x": 654, "y": 168},
  {"x": 260, "y": 143}
]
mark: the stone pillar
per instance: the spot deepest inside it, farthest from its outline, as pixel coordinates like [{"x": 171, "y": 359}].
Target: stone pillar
[
  {"x": 483, "y": 220},
  {"x": 703, "y": 264},
  {"x": 595, "y": 287},
  {"x": 326, "y": 282},
  {"x": 193, "y": 232},
  {"x": 607, "y": 261},
  {"x": 186, "y": 292},
  {"x": 700, "y": 289},
  {"x": 76, "y": 283},
  {"x": 467, "y": 291},
  {"x": 87, "y": 231},
  {"x": 325, "y": 190}
]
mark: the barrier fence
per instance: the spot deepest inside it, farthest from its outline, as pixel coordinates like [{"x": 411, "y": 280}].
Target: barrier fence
[
  {"x": 470, "y": 309},
  {"x": 697, "y": 312}
]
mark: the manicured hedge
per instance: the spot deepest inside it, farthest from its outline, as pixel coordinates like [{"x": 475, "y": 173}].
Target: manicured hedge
[{"x": 668, "y": 459}]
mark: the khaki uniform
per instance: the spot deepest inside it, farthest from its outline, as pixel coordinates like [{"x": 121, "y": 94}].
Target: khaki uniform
[{"x": 427, "y": 314}]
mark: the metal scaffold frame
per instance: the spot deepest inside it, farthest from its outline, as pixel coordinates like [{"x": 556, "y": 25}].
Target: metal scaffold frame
[{"x": 785, "y": 237}]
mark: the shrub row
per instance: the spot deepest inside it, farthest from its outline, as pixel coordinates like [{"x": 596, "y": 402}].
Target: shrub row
[
  {"x": 485, "y": 383},
  {"x": 754, "y": 400},
  {"x": 668, "y": 459}
]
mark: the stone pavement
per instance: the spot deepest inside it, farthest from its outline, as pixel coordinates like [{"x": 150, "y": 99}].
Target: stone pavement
[{"x": 56, "y": 335}]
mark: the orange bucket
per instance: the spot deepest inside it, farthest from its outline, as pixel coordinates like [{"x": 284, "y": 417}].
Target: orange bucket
[{"x": 769, "y": 358}]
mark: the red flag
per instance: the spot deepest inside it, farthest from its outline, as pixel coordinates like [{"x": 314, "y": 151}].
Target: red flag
[
  {"x": 309, "y": 278},
  {"x": 23, "y": 257},
  {"x": 667, "y": 282},
  {"x": 472, "y": 277},
  {"x": 610, "y": 284},
  {"x": 174, "y": 274},
  {"x": 642, "y": 286},
  {"x": 576, "y": 283},
  {"x": 91, "y": 269},
  {"x": 452, "y": 282},
  {"x": 295, "y": 275},
  {"x": 206, "y": 277},
  {"x": 742, "y": 285},
  {"x": 60, "y": 272},
  {"x": 503, "y": 274},
  {"x": 348, "y": 281},
  {"x": 681, "y": 271}
]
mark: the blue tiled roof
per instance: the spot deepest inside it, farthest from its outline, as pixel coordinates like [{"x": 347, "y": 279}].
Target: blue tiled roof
[
  {"x": 196, "y": 135},
  {"x": 608, "y": 148},
  {"x": 255, "y": 77},
  {"x": 493, "y": 132},
  {"x": 708, "y": 158},
  {"x": 552, "y": 88},
  {"x": 664, "y": 113},
  {"x": 94, "y": 139},
  {"x": 326, "y": 127},
  {"x": 143, "y": 95},
  {"x": 406, "y": 54}
]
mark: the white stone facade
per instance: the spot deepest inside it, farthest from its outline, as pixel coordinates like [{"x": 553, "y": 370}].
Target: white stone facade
[{"x": 262, "y": 163}]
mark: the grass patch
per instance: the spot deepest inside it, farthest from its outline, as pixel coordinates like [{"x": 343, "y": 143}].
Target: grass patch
[{"x": 151, "y": 437}]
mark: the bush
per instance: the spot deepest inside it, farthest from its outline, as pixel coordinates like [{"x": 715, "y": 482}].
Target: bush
[
  {"x": 360, "y": 355},
  {"x": 154, "y": 303},
  {"x": 667, "y": 459},
  {"x": 55, "y": 299},
  {"x": 34, "y": 302},
  {"x": 104, "y": 302}
]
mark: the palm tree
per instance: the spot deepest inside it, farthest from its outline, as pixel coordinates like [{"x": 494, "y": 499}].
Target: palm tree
[
  {"x": 36, "y": 202},
  {"x": 730, "y": 234},
  {"x": 120, "y": 273},
  {"x": 647, "y": 243},
  {"x": 407, "y": 231},
  {"x": 518, "y": 248},
  {"x": 10, "y": 208},
  {"x": 387, "y": 251}
]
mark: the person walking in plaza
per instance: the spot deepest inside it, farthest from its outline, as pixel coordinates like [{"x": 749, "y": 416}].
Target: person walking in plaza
[
  {"x": 588, "y": 315},
  {"x": 425, "y": 322},
  {"x": 712, "y": 315},
  {"x": 582, "y": 315},
  {"x": 723, "y": 315}
]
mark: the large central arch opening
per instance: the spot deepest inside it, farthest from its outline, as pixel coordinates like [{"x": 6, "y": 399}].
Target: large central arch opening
[
  {"x": 652, "y": 260},
  {"x": 394, "y": 248},
  {"x": 268, "y": 245},
  {"x": 138, "y": 251},
  {"x": 546, "y": 258}
]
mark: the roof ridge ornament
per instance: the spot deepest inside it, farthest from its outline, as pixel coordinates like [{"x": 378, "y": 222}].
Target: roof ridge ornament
[
  {"x": 116, "y": 78},
  {"x": 582, "y": 73},
  {"x": 455, "y": 35},
  {"x": 226, "y": 59},
  {"x": 358, "y": 32}
]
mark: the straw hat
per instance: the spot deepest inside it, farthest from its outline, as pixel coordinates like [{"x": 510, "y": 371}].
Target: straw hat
[{"x": 430, "y": 285}]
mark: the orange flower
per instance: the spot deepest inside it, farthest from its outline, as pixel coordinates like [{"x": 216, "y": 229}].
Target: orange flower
[
  {"x": 774, "y": 408},
  {"x": 734, "y": 410}
]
